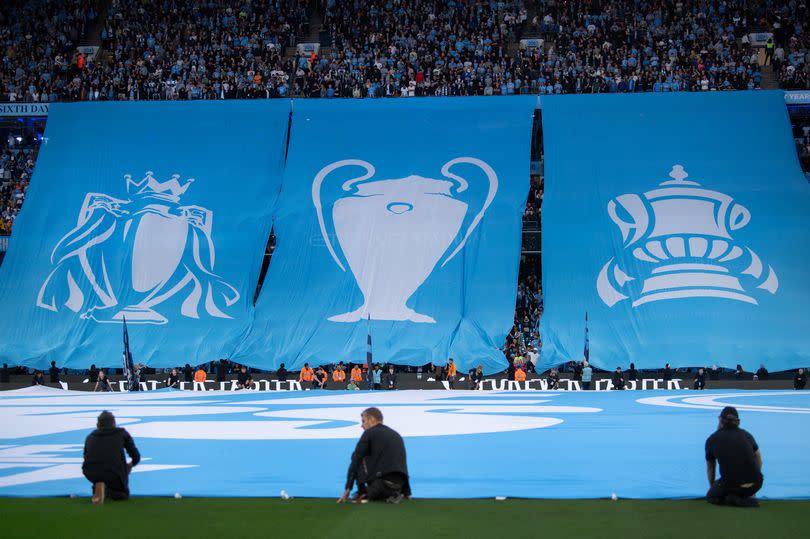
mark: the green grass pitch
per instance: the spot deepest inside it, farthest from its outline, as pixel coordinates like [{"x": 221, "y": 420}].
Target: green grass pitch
[{"x": 230, "y": 518}]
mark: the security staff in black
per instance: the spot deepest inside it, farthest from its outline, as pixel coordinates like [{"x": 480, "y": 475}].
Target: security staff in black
[
  {"x": 378, "y": 463},
  {"x": 740, "y": 463},
  {"x": 104, "y": 462}
]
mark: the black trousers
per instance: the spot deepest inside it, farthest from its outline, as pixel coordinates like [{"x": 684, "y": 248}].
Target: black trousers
[
  {"x": 116, "y": 489},
  {"x": 721, "y": 490},
  {"x": 381, "y": 489}
]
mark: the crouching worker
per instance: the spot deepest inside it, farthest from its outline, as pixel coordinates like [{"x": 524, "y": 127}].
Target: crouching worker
[
  {"x": 740, "y": 463},
  {"x": 378, "y": 463},
  {"x": 104, "y": 462}
]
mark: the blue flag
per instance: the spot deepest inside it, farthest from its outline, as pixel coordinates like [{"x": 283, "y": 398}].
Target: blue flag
[{"x": 133, "y": 380}]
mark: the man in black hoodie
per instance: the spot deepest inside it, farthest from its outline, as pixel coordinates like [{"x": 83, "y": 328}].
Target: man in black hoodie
[
  {"x": 378, "y": 463},
  {"x": 104, "y": 462}
]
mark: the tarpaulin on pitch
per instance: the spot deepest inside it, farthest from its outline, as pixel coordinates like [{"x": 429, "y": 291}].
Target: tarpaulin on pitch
[
  {"x": 402, "y": 218},
  {"x": 678, "y": 223},
  {"x": 153, "y": 212}
]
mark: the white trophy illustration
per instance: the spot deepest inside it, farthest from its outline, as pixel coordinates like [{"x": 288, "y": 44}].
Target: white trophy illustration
[
  {"x": 680, "y": 236},
  {"x": 393, "y": 232},
  {"x": 167, "y": 249}
]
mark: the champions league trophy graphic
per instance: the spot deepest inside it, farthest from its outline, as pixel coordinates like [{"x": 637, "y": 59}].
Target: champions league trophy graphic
[
  {"x": 393, "y": 232},
  {"x": 168, "y": 251},
  {"x": 680, "y": 239}
]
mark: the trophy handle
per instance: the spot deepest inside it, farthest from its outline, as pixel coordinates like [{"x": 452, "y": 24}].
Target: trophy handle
[
  {"x": 493, "y": 188},
  {"x": 316, "y": 194}
]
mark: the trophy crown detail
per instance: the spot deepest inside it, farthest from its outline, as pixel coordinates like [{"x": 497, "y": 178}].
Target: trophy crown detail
[{"x": 150, "y": 186}]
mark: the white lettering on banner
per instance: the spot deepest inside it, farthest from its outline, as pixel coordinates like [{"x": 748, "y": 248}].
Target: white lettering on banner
[
  {"x": 797, "y": 97},
  {"x": 495, "y": 384},
  {"x": 24, "y": 109}
]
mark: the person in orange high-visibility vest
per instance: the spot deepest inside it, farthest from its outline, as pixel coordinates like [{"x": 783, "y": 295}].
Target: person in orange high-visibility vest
[
  {"x": 200, "y": 375},
  {"x": 306, "y": 374},
  {"x": 357, "y": 374},
  {"x": 339, "y": 375},
  {"x": 520, "y": 375},
  {"x": 451, "y": 374}
]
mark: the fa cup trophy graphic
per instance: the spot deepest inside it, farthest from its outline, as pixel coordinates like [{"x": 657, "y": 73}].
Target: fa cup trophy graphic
[
  {"x": 680, "y": 236},
  {"x": 167, "y": 250},
  {"x": 392, "y": 232}
]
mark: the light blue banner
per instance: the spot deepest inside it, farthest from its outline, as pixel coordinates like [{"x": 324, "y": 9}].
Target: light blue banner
[
  {"x": 402, "y": 217},
  {"x": 153, "y": 212},
  {"x": 680, "y": 224}
]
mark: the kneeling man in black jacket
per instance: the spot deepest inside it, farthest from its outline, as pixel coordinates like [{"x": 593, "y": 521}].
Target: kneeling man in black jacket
[
  {"x": 104, "y": 462},
  {"x": 378, "y": 463}
]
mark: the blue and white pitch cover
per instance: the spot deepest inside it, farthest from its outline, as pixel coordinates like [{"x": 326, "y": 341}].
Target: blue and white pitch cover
[
  {"x": 402, "y": 217},
  {"x": 679, "y": 224},
  {"x": 156, "y": 213}
]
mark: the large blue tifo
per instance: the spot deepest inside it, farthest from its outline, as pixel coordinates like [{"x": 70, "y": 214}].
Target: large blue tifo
[
  {"x": 413, "y": 235},
  {"x": 136, "y": 211},
  {"x": 461, "y": 444},
  {"x": 678, "y": 223}
]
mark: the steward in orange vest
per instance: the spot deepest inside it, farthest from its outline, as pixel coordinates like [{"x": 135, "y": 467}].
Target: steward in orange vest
[
  {"x": 357, "y": 374},
  {"x": 306, "y": 374},
  {"x": 338, "y": 375},
  {"x": 520, "y": 375}
]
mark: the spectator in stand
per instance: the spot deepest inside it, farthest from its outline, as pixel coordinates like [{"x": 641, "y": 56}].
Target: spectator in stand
[
  {"x": 632, "y": 373},
  {"x": 174, "y": 380},
  {"x": 54, "y": 373},
  {"x": 281, "y": 373},
  {"x": 320, "y": 379},
  {"x": 762, "y": 372},
  {"x": 700, "y": 379},
  {"x": 244, "y": 379},
  {"x": 587, "y": 374},
  {"x": 103, "y": 383},
  {"x": 476, "y": 377},
  {"x": 38, "y": 379},
  {"x": 667, "y": 373},
  {"x": 391, "y": 378},
  {"x": 738, "y": 373},
  {"x": 553, "y": 379},
  {"x": 451, "y": 374},
  {"x": 799, "y": 380},
  {"x": 188, "y": 373},
  {"x": 618, "y": 379},
  {"x": 93, "y": 373},
  {"x": 222, "y": 371}
]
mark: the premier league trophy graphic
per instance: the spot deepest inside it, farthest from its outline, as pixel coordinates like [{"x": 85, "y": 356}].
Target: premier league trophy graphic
[
  {"x": 680, "y": 236},
  {"x": 393, "y": 232},
  {"x": 167, "y": 249}
]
